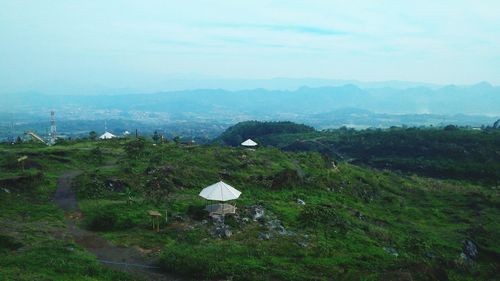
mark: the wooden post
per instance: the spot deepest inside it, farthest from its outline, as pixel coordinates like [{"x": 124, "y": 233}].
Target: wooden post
[{"x": 155, "y": 217}]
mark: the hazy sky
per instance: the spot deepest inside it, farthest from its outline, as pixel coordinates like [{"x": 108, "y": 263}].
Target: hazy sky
[{"x": 137, "y": 44}]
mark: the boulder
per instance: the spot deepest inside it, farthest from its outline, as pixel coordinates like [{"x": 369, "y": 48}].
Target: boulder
[
  {"x": 301, "y": 202},
  {"x": 470, "y": 249},
  {"x": 257, "y": 212},
  {"x": 391, "y": 250},
  {"x": 277, "y": 226},
  {"x": 217, "y": 219},
  {"x": 264, "y": 236},
  {"x": 223, "y": 231},
  {"x": 303, "y": 244}
]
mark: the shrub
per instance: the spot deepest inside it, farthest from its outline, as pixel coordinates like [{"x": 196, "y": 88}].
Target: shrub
[
  {"x": 9, "y": 243},
  {"x": 103, "y": 220},
  {"x": 197, "y": 212}
]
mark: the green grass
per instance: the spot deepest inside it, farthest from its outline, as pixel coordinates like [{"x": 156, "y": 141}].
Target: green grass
[
  {"x": 350, "y": 215},
  {"x": 34, "y": 242}
]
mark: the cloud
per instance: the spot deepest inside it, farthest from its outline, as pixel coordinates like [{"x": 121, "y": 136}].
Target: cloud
[{"x": 312, "y": 30}]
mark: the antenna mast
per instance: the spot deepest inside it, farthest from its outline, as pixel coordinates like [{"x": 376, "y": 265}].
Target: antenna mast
[{"x": 53, "y": 130}]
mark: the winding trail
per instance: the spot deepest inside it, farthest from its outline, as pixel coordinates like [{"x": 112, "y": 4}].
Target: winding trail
[{"x": 126, "y": 259}]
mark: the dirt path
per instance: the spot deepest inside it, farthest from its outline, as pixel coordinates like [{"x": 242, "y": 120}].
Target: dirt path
[{"x": 121, "y": 258}]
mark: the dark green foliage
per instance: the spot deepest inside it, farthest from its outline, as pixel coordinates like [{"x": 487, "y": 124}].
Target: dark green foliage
[
  {"x": 9, "y": 243},
  {"x": 452, "y": 152},
  {"x": 92, "y": 135},
  {"x": 135, "y": 148},
  {"x": 91, "y": 186},
  {"x": 156, "y": 136},
  {"x": 286, "y": 178},
  {"x": 160, "y": 184},
  {"x": 102, "y": 220},
  {"x": 197, "y": 212},
  {"x": 318, "y": 216},
  {"x": 254, "y": 129},
  {"x": 113, "y": 218},
  {"x": 96, "y": 155}
]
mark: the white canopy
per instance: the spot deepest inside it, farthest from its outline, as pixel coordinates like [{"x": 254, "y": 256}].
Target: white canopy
[
  {"x": 107, "y": 135},
  {"x": 220, "y": 191},
  {"x": 249, "y": 142}
]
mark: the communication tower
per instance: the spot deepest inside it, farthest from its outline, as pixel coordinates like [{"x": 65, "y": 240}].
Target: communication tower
[{"x": 53, "y": 130}]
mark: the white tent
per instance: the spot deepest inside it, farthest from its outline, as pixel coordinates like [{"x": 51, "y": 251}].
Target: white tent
[
  {"x": 249, "y": 143},
  {"x": 107, "y": 135},
  {"x": 220, "y": 191}
]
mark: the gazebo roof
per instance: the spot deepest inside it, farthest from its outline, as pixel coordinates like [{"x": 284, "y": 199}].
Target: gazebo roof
[{"x": 249, "y": 142}]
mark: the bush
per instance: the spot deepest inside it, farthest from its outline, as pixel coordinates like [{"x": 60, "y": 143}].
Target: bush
[
  {"x": 103, "y": 220},
  {"x": 323, "y": 215},
  {"x": 9, "y": 243},
  {"x": 197, "y": 212}
]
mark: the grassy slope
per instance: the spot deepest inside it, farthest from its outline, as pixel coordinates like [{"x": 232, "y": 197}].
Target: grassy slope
[
  {"x": 465, "y": 154},
  {"x": 425, "y": 220},
  {"x": 34, "y": 244}
]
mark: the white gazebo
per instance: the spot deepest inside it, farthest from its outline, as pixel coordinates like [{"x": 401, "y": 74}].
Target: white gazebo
[
  {"x": 249, "y": 143},
  {"x": 221, "y": 192},
  {"x": 107, "y": 135}
]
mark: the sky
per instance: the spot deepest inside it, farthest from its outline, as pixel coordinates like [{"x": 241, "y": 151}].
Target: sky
[{"x": 63, "y": 45}]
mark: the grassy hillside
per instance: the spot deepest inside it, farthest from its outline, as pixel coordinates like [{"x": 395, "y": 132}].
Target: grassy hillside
[
  {"x": 34, "y": 241},
  {"x": 356, "y": 223},
  {"x": 450, "y": 152}
]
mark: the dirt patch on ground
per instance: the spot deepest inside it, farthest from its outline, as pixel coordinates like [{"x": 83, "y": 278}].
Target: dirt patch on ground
[{"x": 128, "y": 259}]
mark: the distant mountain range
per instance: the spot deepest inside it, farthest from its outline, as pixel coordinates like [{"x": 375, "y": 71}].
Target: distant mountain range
[
  {"x": 479, "y": 99},
  {"x": 207, "y": 112}
]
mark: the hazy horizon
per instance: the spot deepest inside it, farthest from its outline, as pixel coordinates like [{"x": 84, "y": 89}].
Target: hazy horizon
[{"x": 85, "y": 46}]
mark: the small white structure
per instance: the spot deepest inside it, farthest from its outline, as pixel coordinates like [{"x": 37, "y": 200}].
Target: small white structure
[
  {"x": 249, "y": 143},
  {"x": 126, "y": 133},
  {"x": 220, "y": 191},
  {"x": 106, "y": 136}
]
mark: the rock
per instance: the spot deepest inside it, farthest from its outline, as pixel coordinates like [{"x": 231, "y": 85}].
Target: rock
[
  {"x": 464, "y": 261},
  {"x": 277, "y": 226},
  {"x": 178, "y": 218},
  {"x": 6, "y": 190},
  {"x": 301, "y": 202},
  {"x": 245, "y": 220},
  {"x": 303, "y": 244},
  {"x": 217, "y": 219},
  {"x": 116, "y": 185},
  {"x": 264, "y": 236},
  {"x": 204, "y": 222},
  {"x": 223, "y": 231},
  {"x": 281, "y": 230},
  {"x": 391, "y": 250},
  {"x": 470, "y": 249},
  {"x": 257, "y": 212},
  {"x": 359, "y": 215}
]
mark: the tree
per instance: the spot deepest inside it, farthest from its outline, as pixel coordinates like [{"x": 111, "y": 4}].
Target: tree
[
  {"x": 156, "y": 136},
  {"x": 93, "y": 135},
  {"x": 96, "y": 155},
  {"x": 19, "y": 140},
  {"x": 135, "y": 148}
]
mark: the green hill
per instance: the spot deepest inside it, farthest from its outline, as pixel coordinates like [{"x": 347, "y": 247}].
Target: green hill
[
  {"x": 242, "y": 131},
  {"x": 355, "y": 224},
  {"x": 448, "y": 153}
]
